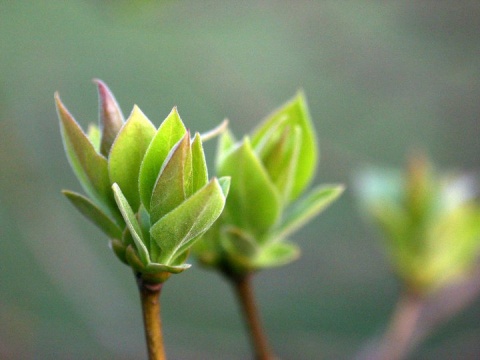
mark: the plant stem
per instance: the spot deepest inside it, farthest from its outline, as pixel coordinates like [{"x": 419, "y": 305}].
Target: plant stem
[
  {"x": 150, "y": 298},
  {"x": 244, "y": 291},
  {"x": 400, "y": 335}
]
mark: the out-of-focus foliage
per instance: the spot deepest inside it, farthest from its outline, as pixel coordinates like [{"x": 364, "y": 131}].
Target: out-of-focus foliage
[
  {"x": 431, "y": 223},
  {"x": 161, "y": 201},
  {"x": 270, "y": 169}
]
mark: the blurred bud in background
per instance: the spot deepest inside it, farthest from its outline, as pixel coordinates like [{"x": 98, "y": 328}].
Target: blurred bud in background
[{"x": 430, "y": 222}]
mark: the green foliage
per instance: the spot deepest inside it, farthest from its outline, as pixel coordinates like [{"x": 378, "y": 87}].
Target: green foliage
[
  {"x": 270, "y": 169},
  {"x": 430, "y": 222},
  {"x": 148, "y": 188}
]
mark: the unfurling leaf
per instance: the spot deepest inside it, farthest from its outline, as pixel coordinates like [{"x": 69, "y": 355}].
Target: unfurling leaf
[
  {"x": 169, "y": 133},
  {"x": 253, "y": 203},
  {"x": 110, "y": 118},
  {"x": 94, "y": 214},
  {"x": 89, "y": 166},
  {"x": 307, "y": 208},
  {"x": 294, "y": 113},
  {"x": 132, "y": 224},
  {"x": 127, "y": 153},
  {"x": 269, "y": 171},
  {"x": 169, "y": 190},
  {"x": 176, "y": 230}
]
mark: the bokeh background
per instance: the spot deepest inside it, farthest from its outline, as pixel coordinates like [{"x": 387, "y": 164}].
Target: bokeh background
[{"x": 383, "y": 78}]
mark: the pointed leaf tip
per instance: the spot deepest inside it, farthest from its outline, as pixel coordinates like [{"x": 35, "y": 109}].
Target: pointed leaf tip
[
  {"x": 127, "y": 154},
  {"x": 89, "y": 167},
  {"x": 93, "y": 213},
  {"x": 216, "y": 131},
  {"x": 176, "y": 231},
  {"x": 169, "y": 190},
  {"x": 170, "y": 132},
  {"x": 308, "y": 207},
  {"x": 294, "y": 113},
  {"x": 111, "y": 117}
]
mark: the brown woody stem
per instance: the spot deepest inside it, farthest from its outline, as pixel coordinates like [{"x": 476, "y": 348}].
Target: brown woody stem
[
  {"x": 244, "y": 291},
  {"x": 150, "y": 298},
  {"x": 399, "y": 337}
]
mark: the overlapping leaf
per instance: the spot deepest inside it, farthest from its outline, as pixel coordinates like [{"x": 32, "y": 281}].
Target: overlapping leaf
[
  {"x": 175, "y": 231},
  {"x": 307, "y": 208},
  {"x": 90, "y": 167},
  {"x": 169, "y": 133},
  {"x": 95, "y": 214},
  {"x": 294, "y": 113},
  {"x": 111, "y": 117},
  {"x": 132, "y": 224},
  {"x": 169, "y": 190},
  {"x": 127, "y": 153},
  {"x": 254, "y": 203}
]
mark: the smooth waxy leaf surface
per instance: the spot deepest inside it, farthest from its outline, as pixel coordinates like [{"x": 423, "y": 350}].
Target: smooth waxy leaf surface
[
  {"x": 169, "y": 133},
  {"x": 89, "y": 166},
  {"x": 294, "y": 113},
  {"x": 253, "y": 202},
  {"x": 175, "y": 231},
  {"x": 314, "y": 203},
  {"x": 94, "y": 214},
  {"x": 110, "y": 118},
  {"x": 127, "y": 153}
]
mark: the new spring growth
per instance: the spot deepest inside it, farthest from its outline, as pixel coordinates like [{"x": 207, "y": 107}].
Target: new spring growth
[
  {"x": 270, "y": 171},
  {"x": 430, "y": 221},
  {"x": 147, "y": 188}
]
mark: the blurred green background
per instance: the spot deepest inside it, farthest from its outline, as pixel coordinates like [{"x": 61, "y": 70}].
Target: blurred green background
[{"x": 382, "y": 78}]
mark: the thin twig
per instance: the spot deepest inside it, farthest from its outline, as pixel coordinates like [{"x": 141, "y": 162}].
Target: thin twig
[
  {"x": 244, "y": 291},
  {"x": 150, "y": 298},
  {"x": 399, "y": 337}
]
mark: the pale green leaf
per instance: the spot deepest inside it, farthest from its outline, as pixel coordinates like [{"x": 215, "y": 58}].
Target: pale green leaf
[
  {"x": 253, "y": 203},
  {"x": 307, "y": 208},
  {"x": 199, "y": 165},
  {"x": 110, "y": 118},
  {"x": 174, "y": 269},
  {"x": 132, "y": 224},
  {"x": 294, "y": 113},
  {"x": 276, "y": 254},
  {"x": 127, "y": 153},
  {"x": 177, "y": 230},
  {"x": 94, "y": 214},
  {"x": 281, "y": 161},
  {"x": 169, "y": 190},
  {"x": 94, "y": 135},
  {"x": 169, "y": 133},
  {"x": 225, "y": 182},
  {"x": 119, "y": 249},
  {"x": 133, "y": 259},
  {"x": 226, "y": 143},
  {"x": 239, "y": 244},
  {"x": 89, "y": 166}
]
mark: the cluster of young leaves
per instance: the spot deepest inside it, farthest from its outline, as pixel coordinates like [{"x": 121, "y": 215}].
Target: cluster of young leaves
[
  {"x": 148, "y": 188},
  {"x": 270, "y": 170},
  {"x": 431, "y": 223}
]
